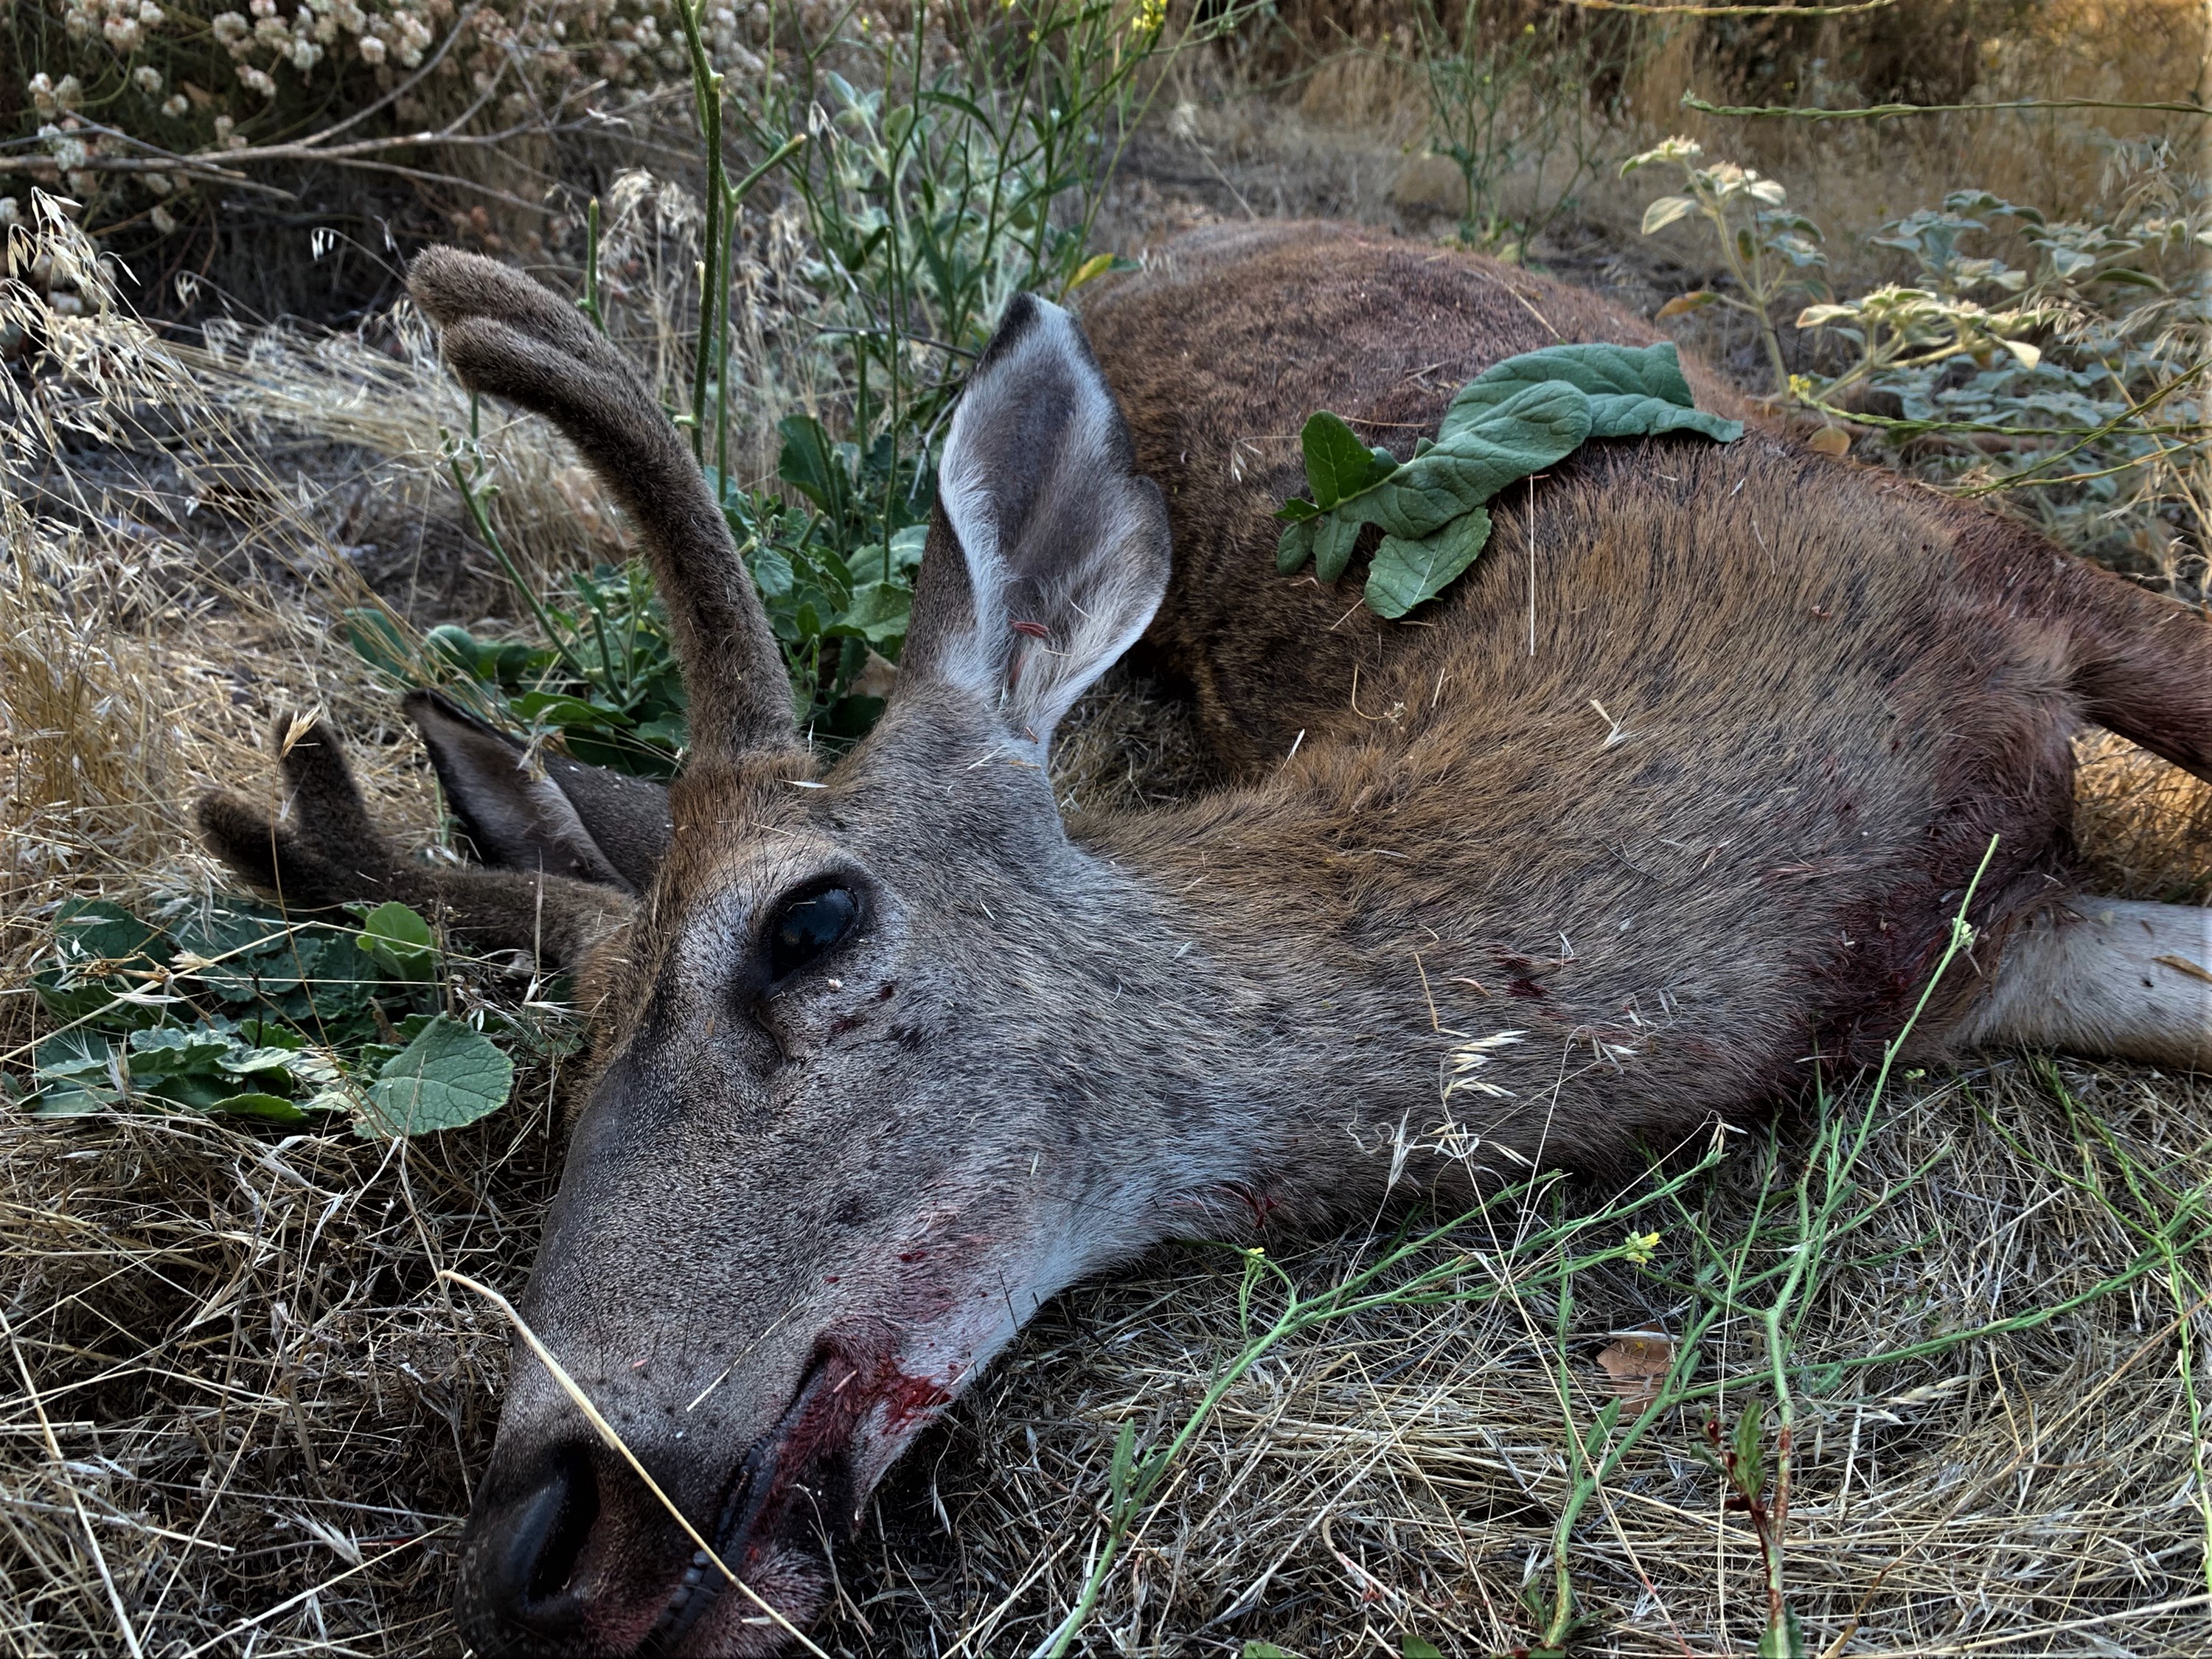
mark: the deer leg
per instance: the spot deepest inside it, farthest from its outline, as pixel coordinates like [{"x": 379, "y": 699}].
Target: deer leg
[{"x": 2103, "y": 976}]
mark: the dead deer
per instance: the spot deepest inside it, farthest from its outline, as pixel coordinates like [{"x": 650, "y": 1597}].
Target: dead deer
[{"x": 1668, "y": 803}]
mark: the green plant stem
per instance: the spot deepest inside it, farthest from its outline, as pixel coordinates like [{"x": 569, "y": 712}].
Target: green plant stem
[
  {"x": 590, "y": 302},
  {"x": 556, "y": 637},
  {"x": 1891, "y": 111}
]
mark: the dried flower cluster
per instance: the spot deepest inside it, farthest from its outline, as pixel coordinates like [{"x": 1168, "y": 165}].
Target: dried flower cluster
[{"x": 116, "y": 79}]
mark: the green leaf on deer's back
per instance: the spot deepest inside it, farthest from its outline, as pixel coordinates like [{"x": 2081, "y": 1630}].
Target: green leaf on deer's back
[
  {"x": 1264, "y": 1651},
  {"x": 1334, "y": 535},
  {"x": 1404, "y": 574},
  {"x": 1338, "y": 465},
  {"x": 1479, "y": 450},
  {"x": 1420, "y": 1647},
  {"x": 450, "y": 1075},
  {"x": 1295, "y": 547},
  {"x": 1632, "y": 392}
]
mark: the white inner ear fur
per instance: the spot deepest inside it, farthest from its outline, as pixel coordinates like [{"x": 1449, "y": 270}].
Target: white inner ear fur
[{"x": 1059, "y": 536}]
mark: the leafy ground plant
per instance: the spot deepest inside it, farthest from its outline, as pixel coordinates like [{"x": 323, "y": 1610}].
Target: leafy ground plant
[
  {"x": 2073, "y": 382},
  {"x": 228, "y": 1007},
  {"x": 1511, "y": 420}
]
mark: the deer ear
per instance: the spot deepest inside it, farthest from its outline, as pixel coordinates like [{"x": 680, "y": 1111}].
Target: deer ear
[
  {"x": 559, "y": 816},
  {"x": 1050, "y": 554}
]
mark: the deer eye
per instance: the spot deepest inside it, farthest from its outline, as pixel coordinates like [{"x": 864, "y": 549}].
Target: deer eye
[{"x": 807, "y": 928}]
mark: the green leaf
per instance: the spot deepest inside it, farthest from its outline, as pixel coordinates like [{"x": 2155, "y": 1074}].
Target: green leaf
[
  {"x": 71, "y": 1056},
  {"x": 1295, "y": 547},
  {"x": 1117, "y": 1474},
  {"x": 177, "y": 1051},
  {"x": 1404, "y": 574},
  {"x": 1785, "y": 1640},
  {"x": 450, "y": 1075},
  {"x": 87, "y": 931},
  {"x": 275, "y": 1108},
  {"x": 400, "y": 942},
  {"x": 376, "y": 639},
  {"x": 1338, "y": 465},
  {"x": 1664, "y": 211},
  {"x": 810, "y": 462},
  {"x": 1334, "y": 535},
  {"x": 1420, "y": 1647},
  {"x": 1632, "y": 392},
  {"x": 879, "y": 612},
  {"x": 1264, "y": 1651}
]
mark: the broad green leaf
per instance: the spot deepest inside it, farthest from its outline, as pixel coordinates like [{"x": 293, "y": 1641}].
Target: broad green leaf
[
  {"x": 375, "y": 637},
  {"x": 1420, "y": 1647},
  {"x": 88, "y": 930},
  {"x": 1632, "y": 392},
  {"x": 1664, "y": 211},
  {"x": 1334, "y": 535},
  {"x": 879, "y": 612},
  {"x": 1404, "y": 574},
  {"x": 275, "y": 1108},
  {"x": 1481, "y": 450},
  {"x": 71, "y": 1055},
  {"x": 399, "y": 942},
  {"x": 1338, "y": 465},
  {"x": 557, "y": 708},
  {"x": 449, "y": 1075},
  {"x": 78, "y": 1099},
  {"x": 176, "y": 1050},
  {"x": 1264, "y": 1651},
  {"x": 809, "y": 461},
  {"x": 1295, "y": 547}
]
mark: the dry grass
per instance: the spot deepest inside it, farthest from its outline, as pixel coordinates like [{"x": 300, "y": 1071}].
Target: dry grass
[{"x": 242, "y": 1414}]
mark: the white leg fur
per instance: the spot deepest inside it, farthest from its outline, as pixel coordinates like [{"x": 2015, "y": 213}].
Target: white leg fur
[{"x": 2103, "y": 976}]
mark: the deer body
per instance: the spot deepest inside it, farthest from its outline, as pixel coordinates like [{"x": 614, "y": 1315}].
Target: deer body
[{"x": 1665, "y": 806}]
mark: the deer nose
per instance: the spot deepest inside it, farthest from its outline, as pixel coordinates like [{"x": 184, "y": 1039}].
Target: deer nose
[{"x": 526, "y": 1554}]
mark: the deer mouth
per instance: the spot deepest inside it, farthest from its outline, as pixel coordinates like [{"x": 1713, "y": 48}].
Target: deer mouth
[{"x": 787, "y": 1507}]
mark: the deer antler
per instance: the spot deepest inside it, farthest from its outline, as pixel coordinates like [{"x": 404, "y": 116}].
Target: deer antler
[
  {"x": 322, "y": 852},
  {"x": 508, "y": 338}
]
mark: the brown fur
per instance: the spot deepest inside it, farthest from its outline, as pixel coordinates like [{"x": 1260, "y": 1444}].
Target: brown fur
[{"x": 1483, "y": 900}]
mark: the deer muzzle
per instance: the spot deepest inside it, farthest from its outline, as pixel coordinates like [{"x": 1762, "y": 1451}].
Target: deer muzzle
[{"x": 581, "y": 1558}]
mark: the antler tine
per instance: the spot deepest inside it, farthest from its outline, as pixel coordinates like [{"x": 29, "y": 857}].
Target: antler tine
[{"x": 508, "y": 337}]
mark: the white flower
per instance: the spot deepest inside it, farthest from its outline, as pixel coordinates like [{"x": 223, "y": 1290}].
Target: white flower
[
  {"x": 42, "y": 95},
  {"x": 257, "y": 79},
  {"x": 174, "y": 107},
  {"x": 305, "y": 52},
  {"x": 146, "y": 78},
  {"x": 229, "y": 28},
  {"x": 164, "y": 221},
  {"x": 9, "y": 212},
  {"x": 371, "y": 50},
  {"x": 149, "y": 14},
  {"x": 71, "y": 152},
  {"x": 122, "y": 33},
  {"x": 160, "y": 182},
  {"x": 68, "y": 91}
]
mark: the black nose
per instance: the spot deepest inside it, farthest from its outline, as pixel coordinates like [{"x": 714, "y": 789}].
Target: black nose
[{"x": 526, "y": 1553}]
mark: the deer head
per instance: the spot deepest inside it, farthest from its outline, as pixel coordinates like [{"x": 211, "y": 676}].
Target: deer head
[{"x": 858, "y": 1028}]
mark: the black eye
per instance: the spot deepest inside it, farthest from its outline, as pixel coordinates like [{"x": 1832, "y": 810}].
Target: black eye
[{"x": 808, "y": 927}]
